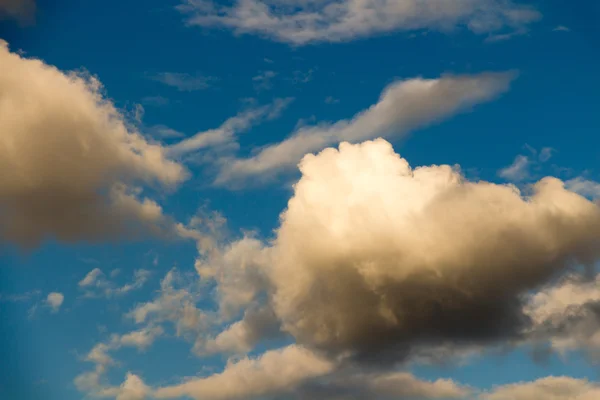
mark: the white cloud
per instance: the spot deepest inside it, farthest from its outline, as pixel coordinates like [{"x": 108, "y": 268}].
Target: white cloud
[
  {"x": 518, "y": 170},
  {"x": 227, "y": 132},
  {"x": 93, "y": 383},
  {"x": 21, "y": 10},
  {"x": 550, "y": 388},
  {"x": 174, "y": 303},
  {"x": 561, "y": 28},
  {"x": 263, "y": 81},
  {"x": 301, "y": 22},
  {"x": 184, "y": 82},
  {"x": 369, "y": 260},
  {"x": 275, "y": 372},
  {"x": 402, "y": 106},
  {"x": 75, "y": 162},
  {"x": 55, "y": 300},
  {"x": 568, "y": 315},
  {"x": 584, "y": 187},
  {"x": 95, "y": 283}
]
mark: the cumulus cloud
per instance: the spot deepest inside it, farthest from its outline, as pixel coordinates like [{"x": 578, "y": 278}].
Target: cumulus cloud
[
  {"x": 55, "y": 300},
  {"x": 21, "y": 10},
  {"x": 95, "y": 283},
  {"x": 550, "y": 388},
  {"x": 377, "y": 259},
  {"x": 301, "y": 22},
  {"x": 568, "y": 315},
  {"x": 274, "y": 372},
  {"x": 75, "y": 163},
  {"x": 402, "y": 106}
]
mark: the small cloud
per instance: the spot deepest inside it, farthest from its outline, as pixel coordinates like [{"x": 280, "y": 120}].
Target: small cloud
[
  {"x": 268, "y": 60},
  {"x": 517, "y": 171},
  {"x": 17, "y": 298},
  {"x": 263, "y": 81},
  {"x": 54, "y": 301},
  {"x": 95, "y": 283},
  {"x": 584, "y": 187},
  {"x": 545, "y": 154},
  {"x": 331, "y": 100},
  {"x": 504, "y": 36},
  {"x": 155, "y": 101},
  {"x": 184, "y": 82},
  {"x": 164, "y": 132},
  {"x": 303, "y": 77},
  {"x": 561, "y": 28}
]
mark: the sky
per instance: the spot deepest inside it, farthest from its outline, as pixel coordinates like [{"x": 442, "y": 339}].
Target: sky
[{"x": 299, "y": 199}]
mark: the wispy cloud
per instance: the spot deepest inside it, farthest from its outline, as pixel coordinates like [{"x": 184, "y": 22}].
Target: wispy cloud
[
  {"x": 95, "y": 283},
  {"x": 227, "y": 132},
  {"x": 184, "y": 82},
  {"x": 561, "y": 28},
  {"x": 300, "y": 22},
  {"x": 403, "y": 106}
]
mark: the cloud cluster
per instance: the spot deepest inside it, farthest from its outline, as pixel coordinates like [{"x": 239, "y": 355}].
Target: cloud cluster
[
  {"x": 379, "y": 260},
  {"x": 402, "y": 106},
  {"x": 175, "y": 303},
  {"x": 76, "y": 164},
  {"x": 302, "y": 22}
]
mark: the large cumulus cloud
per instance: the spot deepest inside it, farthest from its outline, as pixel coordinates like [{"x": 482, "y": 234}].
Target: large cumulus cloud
[
  {"x": 72, "y": 164},
  {"x": 376, "y": 259}
]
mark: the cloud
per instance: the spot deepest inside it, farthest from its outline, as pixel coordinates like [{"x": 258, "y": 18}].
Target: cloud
[
  {"x": 54, "y": 301},
  {"x": 517, "y": 171},
  {"x": 95, "y": 283},
  {"x": 550, "y": 388},
  {"x": 380, "y": 386},
  {"x": 21, "y": 10},
  {"x": 263, "y": 81},
  {"x": 402, "y": 106},
  {"x": 520, "y": 169},
  {"x": 568, "y": 315},
  {"x": 241, "y": 336},
  {"x": 175, "y": 303},
  {"x": 561, "y": 28},
  {"x": 164, "y": 132},
  {"x": 94, "y": 383},
  {"x": 274, "y": 372},
  {"x": 379, "y": 260},
  {"x": 301, "y": 22},
  {"x": 226, "y": 133},
  {"x": 76, "y": 164},
  {"x": 584, "y": 187},
  {"x": 184, "y": 82}
]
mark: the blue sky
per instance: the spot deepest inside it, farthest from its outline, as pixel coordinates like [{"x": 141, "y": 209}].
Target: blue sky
[{"x": 158, "y": 239}]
